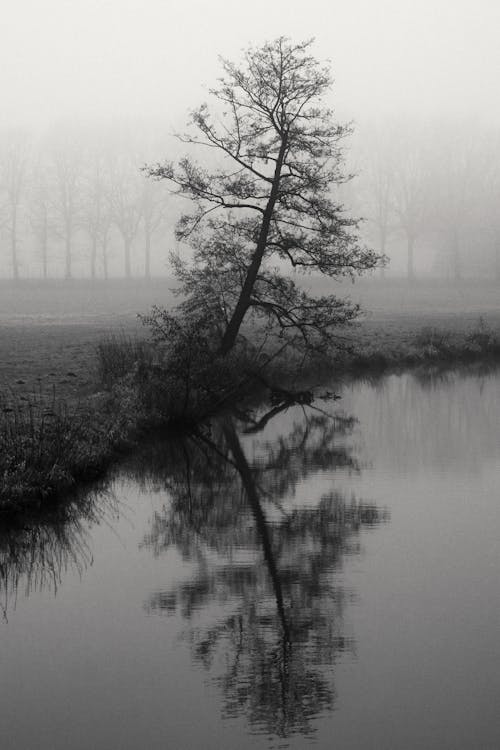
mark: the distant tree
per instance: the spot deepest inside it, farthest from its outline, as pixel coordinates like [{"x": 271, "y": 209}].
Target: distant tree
[
  {"x": 126, "y": 202},
  {"x": 491, "y": 195},
  {"x": 13, "y": 163},
  {"x": 480, "y": 223},
  {"x": 411, "y": 183},
  {"x": 153, "y": 215},
  {"x": 457, "y": 182},
  {"x": 378, "y": 181},
  {"x": 65, "y": 153},
  {"x": 39, "y": 211},
  {"x": 267, "y": 200},
  {"x": 96, "y": 215}
]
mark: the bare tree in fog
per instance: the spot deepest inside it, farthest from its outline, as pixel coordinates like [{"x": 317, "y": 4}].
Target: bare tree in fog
[
  {"x": 270, "y": 199},
  {"x": 379, "y": 179},
  {"x": 153, "y": 215},
  {"x": 14, "y": 146},
  {"x": 411, "y": 182},
  {"x": 489, "y": 215},
  {"x": 126, "y": 186},
  {"x": 96, "y": 212},
  {"x": 67, "y": 173},
  {"x": 39, "y": 210},
  {"x": 456, "y": 188}
]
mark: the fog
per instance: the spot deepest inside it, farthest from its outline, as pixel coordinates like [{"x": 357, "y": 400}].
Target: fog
[
  {"x": 93, "y": 90},
  {"x": 103, "y": 58}
]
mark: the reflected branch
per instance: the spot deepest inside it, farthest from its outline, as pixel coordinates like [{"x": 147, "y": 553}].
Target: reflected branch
[{"x": 263, "y": 605}]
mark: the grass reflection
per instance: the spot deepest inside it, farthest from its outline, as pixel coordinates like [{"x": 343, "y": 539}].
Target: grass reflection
[{"x": 39, "y": 546}]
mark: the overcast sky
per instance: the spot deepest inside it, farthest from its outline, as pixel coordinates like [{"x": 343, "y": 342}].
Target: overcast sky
[{"x": 103, "y": 58}]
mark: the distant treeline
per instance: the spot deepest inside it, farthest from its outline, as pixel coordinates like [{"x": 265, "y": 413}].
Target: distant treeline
[
  {"x": 75, "y": 203},
  {"x": 430, "y": 193}
]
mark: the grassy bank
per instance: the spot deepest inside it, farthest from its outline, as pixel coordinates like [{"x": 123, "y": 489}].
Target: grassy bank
[
  {"x": 56, "y": 436},
  {"x": 50, "y": 444},
  {"x": 382, "y": 349},
  {"x": 47, "y": 448}
]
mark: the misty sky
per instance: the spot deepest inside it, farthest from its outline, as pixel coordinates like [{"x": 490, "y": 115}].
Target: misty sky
[{"x": 107, "y": 58}]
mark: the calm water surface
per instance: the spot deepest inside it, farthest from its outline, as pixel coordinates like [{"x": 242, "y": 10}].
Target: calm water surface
[{"x": 291, "y": 580}]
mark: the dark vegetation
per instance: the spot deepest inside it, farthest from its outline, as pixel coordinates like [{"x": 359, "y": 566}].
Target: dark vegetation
[{"x": 47, "y": 447}]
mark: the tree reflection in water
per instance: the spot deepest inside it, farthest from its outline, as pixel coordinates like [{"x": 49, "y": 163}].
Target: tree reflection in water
[
  {"x": 263, "y": 605},
  {"x": 38, "y": 546}
]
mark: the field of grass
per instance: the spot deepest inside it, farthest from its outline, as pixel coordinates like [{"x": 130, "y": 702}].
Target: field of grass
[{"x": 49, "y": 333}]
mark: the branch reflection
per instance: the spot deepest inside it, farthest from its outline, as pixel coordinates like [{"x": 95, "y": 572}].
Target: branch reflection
[{"x": 264, "y": 605}]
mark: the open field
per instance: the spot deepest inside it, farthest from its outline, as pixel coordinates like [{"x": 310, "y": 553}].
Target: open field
[{"x": 49, "y": 332}]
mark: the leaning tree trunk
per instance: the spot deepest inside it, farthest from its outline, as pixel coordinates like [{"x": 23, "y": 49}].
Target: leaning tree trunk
[{"x": 244, "y": 300}]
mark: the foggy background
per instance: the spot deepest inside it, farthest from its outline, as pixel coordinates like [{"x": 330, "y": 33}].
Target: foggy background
[{"x": 93, "y": 90}]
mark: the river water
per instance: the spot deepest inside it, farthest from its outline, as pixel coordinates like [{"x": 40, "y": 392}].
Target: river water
[{"x": 322, "y": 576}]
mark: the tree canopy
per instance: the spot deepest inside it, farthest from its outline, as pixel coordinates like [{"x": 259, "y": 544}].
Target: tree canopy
[{"x": 269, "y": 200}]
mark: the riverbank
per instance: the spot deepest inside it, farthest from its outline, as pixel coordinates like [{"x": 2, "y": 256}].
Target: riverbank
[{"x": 66, "y": 414}]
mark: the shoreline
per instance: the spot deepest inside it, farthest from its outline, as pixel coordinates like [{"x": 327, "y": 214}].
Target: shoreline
[{"x": 51, "y": 446}]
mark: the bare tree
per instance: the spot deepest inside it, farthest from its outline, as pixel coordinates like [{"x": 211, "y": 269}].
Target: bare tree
[
  {"x": 411, "y": 181},
  {"x": 153, "y": 215},
  {"x": 270, "y": 197},
  {"x": 96, "y": 212},
  {"x": 14, "y": 148},
  {"x": 39, "y": 211},
  {"x": 378, "y": 179},
  {"x": 456, "y": 165},
  {"x": 126, "y": 202},
  {"x": 67, "y": 172},
  {"x": 490, "y": 216}
]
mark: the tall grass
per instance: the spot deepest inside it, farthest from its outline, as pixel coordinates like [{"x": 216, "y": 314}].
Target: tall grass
[
  {"x": 46, "y": 447},
  {"x": 428, "y": 346},
  {"x": 119, "y": 355}
]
